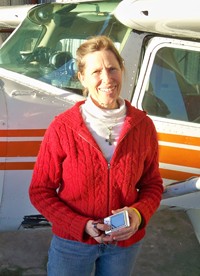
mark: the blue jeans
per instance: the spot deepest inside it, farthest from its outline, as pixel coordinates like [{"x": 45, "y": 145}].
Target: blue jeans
[{"x": 72, "y": 258}]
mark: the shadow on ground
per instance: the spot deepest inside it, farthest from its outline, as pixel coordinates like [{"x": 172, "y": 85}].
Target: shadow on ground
[{"x": 170, "y": 247}]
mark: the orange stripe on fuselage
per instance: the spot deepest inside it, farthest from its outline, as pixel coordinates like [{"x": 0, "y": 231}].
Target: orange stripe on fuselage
[
  {"x": 16, "y": 166},
  {"x": 176, "y": 175},
  {"x": 178, "y": 155},
  {"x": 180, "y": 139},
  {"x": 19, "y": 148},
  {"x": 22, "y": 132}
]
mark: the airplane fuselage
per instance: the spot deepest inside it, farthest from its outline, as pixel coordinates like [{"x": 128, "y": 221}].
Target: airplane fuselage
[{"x": 38, "y": 81}]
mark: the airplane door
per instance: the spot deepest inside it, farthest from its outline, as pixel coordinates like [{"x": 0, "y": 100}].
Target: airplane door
[
  {"x": 3, "y": 137},
  {"x": 168, "y": 89}
]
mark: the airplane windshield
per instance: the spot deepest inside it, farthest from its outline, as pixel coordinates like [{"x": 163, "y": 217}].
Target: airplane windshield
[{"x": 50, "y": 35}]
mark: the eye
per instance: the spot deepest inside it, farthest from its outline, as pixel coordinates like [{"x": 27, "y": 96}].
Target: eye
[
  {"x": 113, "y": 69},
  {"x": 95, "y": 72}
]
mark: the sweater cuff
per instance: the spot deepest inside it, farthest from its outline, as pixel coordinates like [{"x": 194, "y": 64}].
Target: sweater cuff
[{"x": 77, "y": 229}]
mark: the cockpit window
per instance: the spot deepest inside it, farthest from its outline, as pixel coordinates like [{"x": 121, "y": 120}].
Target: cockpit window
[
  {"x": 50, "y": 36},
  {"x": 173, "y": 89}
]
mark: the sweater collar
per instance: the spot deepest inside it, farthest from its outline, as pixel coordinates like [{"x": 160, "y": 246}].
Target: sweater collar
[
  {"x": 74, "y": 120},
  {"x": 133, "y": 115}
]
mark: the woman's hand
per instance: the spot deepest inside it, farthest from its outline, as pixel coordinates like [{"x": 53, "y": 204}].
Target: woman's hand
[
  {"x": 96, "y": 229},
  {"x": 127, "y": 232}
]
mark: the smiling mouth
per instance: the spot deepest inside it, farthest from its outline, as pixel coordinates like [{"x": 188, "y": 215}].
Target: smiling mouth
[{"x": 107, "y": 90}]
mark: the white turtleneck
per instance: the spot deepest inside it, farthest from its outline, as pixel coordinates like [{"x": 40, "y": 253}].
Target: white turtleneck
[{"x": 98, "y": 121}]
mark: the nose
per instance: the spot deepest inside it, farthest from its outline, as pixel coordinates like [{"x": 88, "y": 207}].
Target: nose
[{"x": 105, "y": 75}]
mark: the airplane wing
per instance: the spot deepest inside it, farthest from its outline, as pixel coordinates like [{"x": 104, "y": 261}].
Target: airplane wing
[{"x": 12, "y": 16}]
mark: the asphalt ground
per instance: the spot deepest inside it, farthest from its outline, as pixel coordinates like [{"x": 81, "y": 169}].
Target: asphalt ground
[{"x": 170, "y": 248}]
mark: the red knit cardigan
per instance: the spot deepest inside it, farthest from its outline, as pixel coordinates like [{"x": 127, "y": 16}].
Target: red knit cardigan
[{"x": 72, "y": 182}]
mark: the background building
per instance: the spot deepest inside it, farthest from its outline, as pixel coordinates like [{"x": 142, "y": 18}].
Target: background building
[{"x": 22, "y": 2}]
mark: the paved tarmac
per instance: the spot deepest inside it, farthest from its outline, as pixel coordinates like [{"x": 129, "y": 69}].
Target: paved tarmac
[{"x": 170, "y": 248}]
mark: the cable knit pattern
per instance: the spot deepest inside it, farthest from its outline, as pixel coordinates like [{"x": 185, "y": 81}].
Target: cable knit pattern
[{"x": 72, "y": 181}]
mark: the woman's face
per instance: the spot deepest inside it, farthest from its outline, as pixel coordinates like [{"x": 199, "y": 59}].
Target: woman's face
[{"x": 102, "y": 77}]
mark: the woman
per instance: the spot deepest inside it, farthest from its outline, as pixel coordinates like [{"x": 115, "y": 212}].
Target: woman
[{"x": 98, "y": 158}]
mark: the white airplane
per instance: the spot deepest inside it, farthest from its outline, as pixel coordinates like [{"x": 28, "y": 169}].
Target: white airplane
[
  {"x": 161, "y": 50},
  {"x": 10, "y": 18}
]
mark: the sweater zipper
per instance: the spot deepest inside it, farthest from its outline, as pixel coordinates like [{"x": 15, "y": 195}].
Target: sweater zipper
[
  {"x": 108, "y": 211},
  {"x": 108, "y": 167}
]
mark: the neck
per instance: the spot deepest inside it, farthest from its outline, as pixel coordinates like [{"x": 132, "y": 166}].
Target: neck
[{"x": 114, "y": 105}]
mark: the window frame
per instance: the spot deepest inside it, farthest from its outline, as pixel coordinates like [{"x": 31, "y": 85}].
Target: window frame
[{"x": 153, "y": 46}]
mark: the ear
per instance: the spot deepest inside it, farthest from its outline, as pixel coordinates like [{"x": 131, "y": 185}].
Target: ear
[{"x": 81, "y": 78}]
